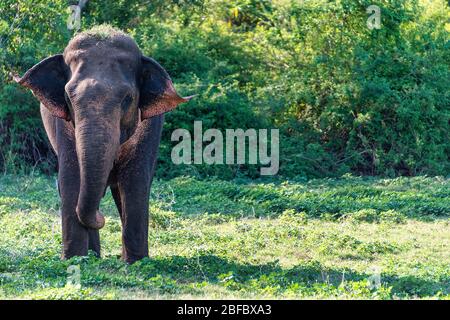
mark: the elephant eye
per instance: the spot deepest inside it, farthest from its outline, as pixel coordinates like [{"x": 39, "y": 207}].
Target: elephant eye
[{"x": 126, "y": 101}]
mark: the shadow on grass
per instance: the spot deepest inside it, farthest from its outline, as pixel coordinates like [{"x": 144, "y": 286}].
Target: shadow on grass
[{"x": 179, "y": 274}]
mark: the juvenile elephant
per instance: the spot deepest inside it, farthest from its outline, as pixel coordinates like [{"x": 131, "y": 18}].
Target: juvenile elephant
[{"x": 102, "y": 104}]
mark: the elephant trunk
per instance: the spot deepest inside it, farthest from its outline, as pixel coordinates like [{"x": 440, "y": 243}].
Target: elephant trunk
[{"x": 97, "y": 145}]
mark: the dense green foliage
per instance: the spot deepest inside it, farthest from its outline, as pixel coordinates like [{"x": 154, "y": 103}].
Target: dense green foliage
[
  {"x": 346, "y": 98},
  {"x": 241, "y": 242}
]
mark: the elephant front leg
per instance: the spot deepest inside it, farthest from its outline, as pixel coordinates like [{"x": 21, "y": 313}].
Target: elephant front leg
[
  {"x": 74, "y": 235},
  {"x": 134, "y": 194},
  {"x": 137, "y": 162},
  {"x": 77, "y": 239}
]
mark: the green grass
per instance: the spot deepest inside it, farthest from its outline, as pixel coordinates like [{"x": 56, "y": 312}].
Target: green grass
[{"x": 217, "y": 239}]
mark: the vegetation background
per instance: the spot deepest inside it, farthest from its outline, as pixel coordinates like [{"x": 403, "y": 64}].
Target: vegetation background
[{"x": 346, "y": 99}]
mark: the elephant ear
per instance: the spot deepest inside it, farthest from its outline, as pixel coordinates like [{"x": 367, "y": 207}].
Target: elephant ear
[
  {"x": 157, "y": 93},
  {"x": 47, "y": 80}
]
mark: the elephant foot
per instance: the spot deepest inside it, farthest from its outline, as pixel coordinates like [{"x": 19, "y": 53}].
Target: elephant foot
[{"x": 132, "y": 259}]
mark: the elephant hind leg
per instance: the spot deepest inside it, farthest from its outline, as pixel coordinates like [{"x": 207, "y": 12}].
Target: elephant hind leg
[
  {"x": 94, "y": 238},
  {"x": 94, "y": 241},
  {"x": 117, "y": 200}
]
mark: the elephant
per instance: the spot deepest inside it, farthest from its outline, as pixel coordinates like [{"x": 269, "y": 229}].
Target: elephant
[{"x": 102, "y": 103}]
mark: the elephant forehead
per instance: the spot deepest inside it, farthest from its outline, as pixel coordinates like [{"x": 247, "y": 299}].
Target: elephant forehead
[
  {"x": 91, "y": 44},
  {"x": 102, "y": 54}
]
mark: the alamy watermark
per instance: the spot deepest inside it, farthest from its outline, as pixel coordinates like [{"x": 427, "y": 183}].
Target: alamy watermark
[
  {"x": 374, "y": 20},
  {"x": 237, "y": 142},
  {"x": 73, "y": 276},
  {"x": 375, "y": 278}
]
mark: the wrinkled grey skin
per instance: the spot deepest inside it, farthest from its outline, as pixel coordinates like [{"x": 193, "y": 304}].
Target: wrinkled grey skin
[{"x": 102, "y": 105}]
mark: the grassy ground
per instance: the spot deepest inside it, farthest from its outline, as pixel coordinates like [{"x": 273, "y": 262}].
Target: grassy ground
[{"x": 216, "y": 239}]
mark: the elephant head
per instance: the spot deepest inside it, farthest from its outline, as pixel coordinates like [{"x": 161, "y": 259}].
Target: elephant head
[{"x": 104, "y": 86}]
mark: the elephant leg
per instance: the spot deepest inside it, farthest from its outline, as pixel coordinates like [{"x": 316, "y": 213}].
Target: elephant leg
[
  {"x": 134, "y": 193},
  {"x": 116, "y": 196},
  {"x": 134, "y": 182},
  {"x": 76, "y": 237},
  {"x": 94, "y": 241}
]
